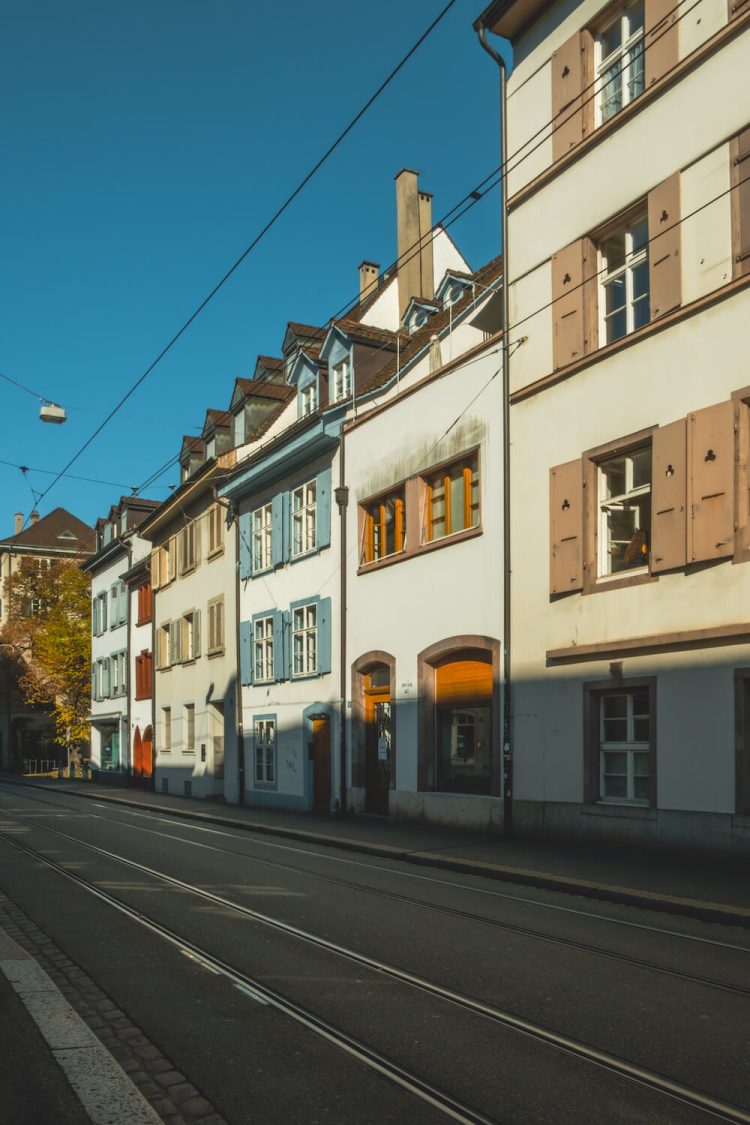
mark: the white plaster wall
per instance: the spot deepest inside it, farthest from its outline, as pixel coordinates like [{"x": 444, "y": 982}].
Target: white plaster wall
[
  {"x": 612, "y": 176},
  {"x": 446, "y": 256},
  {"x": 531, "y": 316},
  {"x": 699, "y": 22},
  {"x": 314, "y": 574},
  {"x": 405, "y": 607},
  {"x": 529, "y": 127},
  {"x": 697, "y": 363},
  {"x": 707, "y": 234},
  {"x": 383, "y": 312},
  {"x": 206, "y": 679}
]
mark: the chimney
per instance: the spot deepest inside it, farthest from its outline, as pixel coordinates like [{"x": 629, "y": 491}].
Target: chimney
[
  {"x": 34, "y": 517},
  {"x": 19, "y": 522},
  {"x": 413, "y": 223},
  {"x": 368, "y": 278}
]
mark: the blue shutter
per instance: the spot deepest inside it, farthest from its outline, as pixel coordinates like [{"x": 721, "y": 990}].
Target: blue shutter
[
  {"x": 246, "y": 664},
  {"x": 279, "y": 666},
  {"x": 286, "y": 501},
  {"x": 94, "y": 618},
  {"x": 323, "y": 509},
  {"x": 324, "y": 635},
  {"x": 286, "y": 646},
  {"x": 277, "y": 529},
  {"x": 246, "y": 545}
]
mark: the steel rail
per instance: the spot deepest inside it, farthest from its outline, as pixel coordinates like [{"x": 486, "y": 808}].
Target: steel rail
[{"x": 632, "y": 1072}]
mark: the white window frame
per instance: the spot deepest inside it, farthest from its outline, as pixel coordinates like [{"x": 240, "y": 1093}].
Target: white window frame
[
  {"x": 634, "y": 258},
  {"x": 342, "y": 380},
  {"x": 305, "y": 640},
  {"x": 304, "y": 518},
  {"x": 608, "y": 505},
  {"x": 308, "y": 399},
  {"x": 263, "y": 655},
  {"x": 630, "y": 746},
  {"x": 262, "y": 533},
  {"x": 630, "y": 50},
  {"x": 187, "y": 644},
  {"x": 265, "y": 751}
]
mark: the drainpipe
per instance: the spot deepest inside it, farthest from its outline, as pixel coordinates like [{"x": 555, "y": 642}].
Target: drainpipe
[
  {"x": 342, "y": 499},
  {"x": 505, "y": 351}
]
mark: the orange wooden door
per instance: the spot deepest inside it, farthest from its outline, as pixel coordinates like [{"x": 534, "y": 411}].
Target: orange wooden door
[
  {"x": 147, "y": 753},
  {"x": 137, "y": 753},
  {"x": 321, "y": 755}
]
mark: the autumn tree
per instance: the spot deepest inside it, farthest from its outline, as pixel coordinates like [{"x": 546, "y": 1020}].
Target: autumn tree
[{"x": 48, "y": 616}]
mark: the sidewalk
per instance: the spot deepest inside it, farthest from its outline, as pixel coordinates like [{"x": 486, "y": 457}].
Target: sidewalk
[{"x": 714, "y": 889}]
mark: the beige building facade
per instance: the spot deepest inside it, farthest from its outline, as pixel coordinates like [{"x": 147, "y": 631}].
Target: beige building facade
[{"x": 628, "y": 258}]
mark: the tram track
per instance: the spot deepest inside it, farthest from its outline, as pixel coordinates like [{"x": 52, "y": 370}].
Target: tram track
[
  {"x": 657, "y": 1083},
  {"x": 448, "y": 911}
]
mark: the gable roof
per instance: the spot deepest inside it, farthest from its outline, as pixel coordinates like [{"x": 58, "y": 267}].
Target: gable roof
[
  {"x": 259, "y": 388},
  {"x": 60, "y": 530}
]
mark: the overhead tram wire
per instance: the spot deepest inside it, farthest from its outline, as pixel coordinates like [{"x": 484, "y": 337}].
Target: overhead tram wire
[
  {"x": 71, "y": 476},
  {"x": 467, "y": 202},
  {"x": 271, "y": 222}
]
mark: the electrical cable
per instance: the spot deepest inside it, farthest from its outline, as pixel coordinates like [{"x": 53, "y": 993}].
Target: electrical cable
[
  {"x": 265, "y": 229},
  {"x": 41, "y": 398},
  {"x": 51, "y": 473}
]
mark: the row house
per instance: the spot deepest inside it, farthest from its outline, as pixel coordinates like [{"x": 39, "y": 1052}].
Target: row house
[
  {"x": 119, "y": 547},
  {"x": 341, "y": 489},
  {"x": 628, "y": 258}
]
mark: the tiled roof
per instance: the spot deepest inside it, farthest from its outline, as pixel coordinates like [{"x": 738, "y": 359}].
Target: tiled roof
[
  {"x": 52, "y": 532},
  {"x": 367, "y": 333},
  {"x": 307, "y": 331},
  {"x": 421, "y": 338},
  {"x": 271, "y": 362},
  {"x": 218, "y": 418},
  {"x": 259, "y": 388},
  {"x": 195, "y": 444}
]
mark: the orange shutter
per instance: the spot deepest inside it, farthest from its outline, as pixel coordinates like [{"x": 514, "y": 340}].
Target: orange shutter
[
  {"x": 662, "y": 39},
  {"x": 669, "y": 497},
  {"x": 566, "y": 528},
  {"x": 664, "y": 267},
  {"x": 464, "y": 683},
  {"x": 710, "y": 449},
  {"x": 567, "y": 86}
]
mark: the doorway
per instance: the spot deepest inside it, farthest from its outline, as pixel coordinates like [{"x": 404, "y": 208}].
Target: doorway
[
  {"x": 137, "y": 753},
  {"x": 377, "y": 714},
  {"x": 320, "y": 752}
]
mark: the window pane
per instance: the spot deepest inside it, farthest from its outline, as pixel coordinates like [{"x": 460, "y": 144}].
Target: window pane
[
  {"x": 616, "y": 764},
  {"x": 635, "y": 18},
  {"x": 611, "y": 38},
  {"x": 641, "y": 312},
  {"x": 635, "y": 81},
  {"x": 613, "y": 472},
  {"x": 641, "y": 788},
  {"x": 641, "y": 463},
  {"x": 457, "y": 500},
  {"x": 617, "y": 326},
  {"x": 639, "y": 235},
  {"x": 615, "y": 787},
  {"x": 438, "y": 509},
  {"x": 640, "y": 765}
]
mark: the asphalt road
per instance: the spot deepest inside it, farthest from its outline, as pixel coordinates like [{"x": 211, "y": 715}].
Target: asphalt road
[{"x": 322, "y": 986}]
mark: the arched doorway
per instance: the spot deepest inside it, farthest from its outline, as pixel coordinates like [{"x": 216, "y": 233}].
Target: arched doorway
[
  {"x": 376, "y": 689},
  {"x": 137, "y": 753},
  {"x": 147, "y": 752}
]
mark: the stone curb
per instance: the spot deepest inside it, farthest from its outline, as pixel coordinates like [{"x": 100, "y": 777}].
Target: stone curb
[
  {"x": 603, "y": 892},
  {"x": 168, "y": 1093}
]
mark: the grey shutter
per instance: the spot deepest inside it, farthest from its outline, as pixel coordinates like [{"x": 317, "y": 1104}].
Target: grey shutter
[
  {"x": 324, "y": 635},
  {"x": 566, "y": 527},
  {"x": 664, "y": 268},
  {"x": 669, "y": 497},
  {"x": 279, "y": 665},
  {"x": 277, "y": 529},
  {"x": 196, "y": 632},
  {"x": 246, "y": 661},
  {"x": 246, "y": 544}
]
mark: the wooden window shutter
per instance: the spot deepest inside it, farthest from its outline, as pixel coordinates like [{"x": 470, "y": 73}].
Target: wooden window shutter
[
  {"x": 569, "y": 335},
  {"x": 710, "y": 451},
  {"x": 567, "y": 87},
  {"x": 739, "y": 152},
  {"x": 669, "y": 497},
  {"x": 664, "y": 263},
  {"x": 737, "y": 7},
  {"x": 662, "y": 39},
  {"x": 566, "y": 527}
]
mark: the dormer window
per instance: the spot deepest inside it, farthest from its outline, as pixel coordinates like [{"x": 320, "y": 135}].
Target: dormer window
[
  {"x": 418, "y": 319},
  {"x": 308, "y": 399},
  {"x": 342, "y": 380}
]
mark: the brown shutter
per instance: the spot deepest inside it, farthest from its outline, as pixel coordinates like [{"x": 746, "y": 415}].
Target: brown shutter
[
  {"x": 567, "y": 307},
  {"x": 669, "y": 497},
  {"x": 710, "y": 448},
  {"x": 567, "y": 85},
  {"x": 662, "y": 39},
  {"x": 739, "y": 151},
  {"x": 566, "y": 527},
  {"x": 665, "y": 284},
  {"x": 737, "y": 7}
]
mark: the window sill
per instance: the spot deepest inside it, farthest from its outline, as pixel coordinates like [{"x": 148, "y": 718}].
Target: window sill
[
  {"x": 189, "y": 752},
  {"x": 306, "y": 676},
  {"x": 604, "y": 583},
  {"x": 626, "y": 810},
  {"x": 304, "y": 555},
  {"x": 215, "y": 652},
  {"x": 422, "y": 549},
  {"x": 215, "y": 554}
]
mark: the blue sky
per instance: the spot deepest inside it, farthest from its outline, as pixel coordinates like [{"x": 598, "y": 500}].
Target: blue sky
[{"x": 145, "y": 144}]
